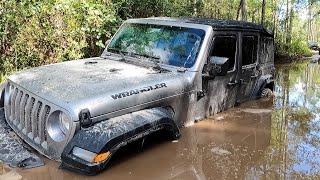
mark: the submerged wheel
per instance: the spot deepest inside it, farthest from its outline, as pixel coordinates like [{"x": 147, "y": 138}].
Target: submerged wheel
[{"x": 266, "y": 93}]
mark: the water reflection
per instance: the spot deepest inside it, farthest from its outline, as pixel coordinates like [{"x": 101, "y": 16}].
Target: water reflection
[
  {"x": 295, "y": 122},
  {"x": 264, "y": 139}
]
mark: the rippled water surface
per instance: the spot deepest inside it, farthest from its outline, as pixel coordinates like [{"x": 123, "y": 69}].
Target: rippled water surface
[{"x": 265, "y": 139}]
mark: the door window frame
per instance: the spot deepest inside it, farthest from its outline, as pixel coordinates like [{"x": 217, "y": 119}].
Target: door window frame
[
  {"x": 227, "y": 34},
  {"x": 256, "y": 35}
]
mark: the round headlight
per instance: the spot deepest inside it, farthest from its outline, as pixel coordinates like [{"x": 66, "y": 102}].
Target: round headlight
[{"x": 58, "y": 126}]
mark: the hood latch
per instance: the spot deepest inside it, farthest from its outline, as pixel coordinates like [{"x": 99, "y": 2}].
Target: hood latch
[{"x": 85, "y": 118}]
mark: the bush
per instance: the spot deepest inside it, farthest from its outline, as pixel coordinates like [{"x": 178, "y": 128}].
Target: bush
[
  {"x": 297, "y": 48},
  {"x": 37, "y": 33},
  {"x": 34, "y": 33}
]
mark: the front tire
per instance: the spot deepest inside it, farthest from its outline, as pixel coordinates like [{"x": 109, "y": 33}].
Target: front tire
[{"x": 266, "y": 93}]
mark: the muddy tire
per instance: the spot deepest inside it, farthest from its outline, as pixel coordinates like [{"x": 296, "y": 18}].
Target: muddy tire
[{"x": 266, "y": 93}]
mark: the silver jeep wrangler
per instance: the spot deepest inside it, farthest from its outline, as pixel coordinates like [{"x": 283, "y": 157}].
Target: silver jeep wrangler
[{"x": 155, "y": 74}]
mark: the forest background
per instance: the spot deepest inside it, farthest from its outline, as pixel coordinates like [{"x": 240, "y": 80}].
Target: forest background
[{"x": 34, "y": 33}]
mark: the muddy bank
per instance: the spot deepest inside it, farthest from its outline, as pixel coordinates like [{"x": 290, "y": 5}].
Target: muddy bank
[
  {"x": 289, "y": 59},
  {"x": 265, "y": 139}
]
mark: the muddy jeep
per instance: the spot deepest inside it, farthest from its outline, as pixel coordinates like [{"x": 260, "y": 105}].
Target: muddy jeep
[{"x": 154, "y": 74}]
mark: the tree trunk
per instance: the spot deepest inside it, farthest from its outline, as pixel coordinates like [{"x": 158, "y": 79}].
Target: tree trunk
[
  {"x": 243, "y": 10},
  {"x": 291, "y": 16},
  {"x": 284, "y": 37},
  {"x": 275, "y": 5},
  {"x": 310, "y": 32},
  {"x": 238, "y": 11},
  {"x": 263, "y": 14}
]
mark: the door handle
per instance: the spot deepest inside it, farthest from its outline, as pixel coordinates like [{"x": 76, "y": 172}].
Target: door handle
[
  {"x": 242, "y": 81},
  {"x": 233, "y": 83}
]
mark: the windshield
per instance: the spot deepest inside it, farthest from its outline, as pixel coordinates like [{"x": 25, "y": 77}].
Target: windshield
[{"x": 177, "y": 46}]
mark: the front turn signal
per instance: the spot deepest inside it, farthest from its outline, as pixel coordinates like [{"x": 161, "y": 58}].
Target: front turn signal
[{"x": 101, "y": 157}]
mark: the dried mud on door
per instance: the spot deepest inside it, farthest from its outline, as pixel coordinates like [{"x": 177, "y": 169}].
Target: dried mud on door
[{"x": 249, "y": 75}]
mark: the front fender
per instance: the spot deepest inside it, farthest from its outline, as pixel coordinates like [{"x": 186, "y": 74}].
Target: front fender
[{"x": 110, "y": 135}]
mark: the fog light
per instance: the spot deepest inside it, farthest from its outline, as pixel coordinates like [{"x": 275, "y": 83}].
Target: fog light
[
  {"x": 90, "y": 156},
  {"x": 84, "y": 154}
]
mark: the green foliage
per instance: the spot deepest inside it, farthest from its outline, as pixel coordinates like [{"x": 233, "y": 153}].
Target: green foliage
[
  {"x": 297, "y": 48},
  {"x": 37, "y": 33},
  {"x": 34, "y": 33}
]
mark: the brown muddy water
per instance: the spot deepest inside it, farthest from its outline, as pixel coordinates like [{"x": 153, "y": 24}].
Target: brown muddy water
[{"x": 264, "y": 139}]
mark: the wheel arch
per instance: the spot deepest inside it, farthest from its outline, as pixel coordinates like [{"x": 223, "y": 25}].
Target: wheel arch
[{"x": 263, "y": 82}]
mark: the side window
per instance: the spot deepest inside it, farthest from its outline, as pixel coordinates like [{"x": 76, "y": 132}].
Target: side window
[
  {"x": 249, "y": 50},
  {"x": 225, "y": 46}
]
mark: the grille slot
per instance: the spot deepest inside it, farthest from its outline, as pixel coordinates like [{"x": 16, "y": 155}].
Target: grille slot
[
  {"x": 23, "y": 110},
  {"x": 12, "y": 101},
  {"x": 28, "y": 114}
]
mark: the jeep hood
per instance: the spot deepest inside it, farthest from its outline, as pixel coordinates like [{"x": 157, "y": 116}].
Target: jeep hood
[{"x": 100, "y": 85}]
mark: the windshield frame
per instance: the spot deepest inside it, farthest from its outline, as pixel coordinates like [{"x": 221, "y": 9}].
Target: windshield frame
[{"x": 201, "y": 52}]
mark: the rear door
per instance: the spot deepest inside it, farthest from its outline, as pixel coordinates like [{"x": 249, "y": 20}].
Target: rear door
[{"x": 248, "y": 65}]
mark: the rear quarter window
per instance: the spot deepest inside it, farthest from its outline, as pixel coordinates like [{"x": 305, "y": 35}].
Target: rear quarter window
[
  {"x": 249, "y": 49},
  {"x": 267, "y": 50}
]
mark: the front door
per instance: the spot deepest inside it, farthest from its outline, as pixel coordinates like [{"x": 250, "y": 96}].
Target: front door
[
  {"x": 222, "y": 90},
  {"x": 248, "y": 75}
]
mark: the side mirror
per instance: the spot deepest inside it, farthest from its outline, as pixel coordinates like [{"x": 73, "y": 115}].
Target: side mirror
[{"x": 218, "y": 66}]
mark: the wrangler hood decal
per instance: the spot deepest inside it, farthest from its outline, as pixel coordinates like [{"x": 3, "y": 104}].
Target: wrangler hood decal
[{"x": 138, "y": 91}]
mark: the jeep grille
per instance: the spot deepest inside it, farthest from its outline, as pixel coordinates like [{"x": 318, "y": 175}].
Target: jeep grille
[{"x": 27, "y": 114}]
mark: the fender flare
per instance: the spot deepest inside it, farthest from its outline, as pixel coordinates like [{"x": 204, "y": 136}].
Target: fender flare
[
  {"x": 112, "y": 134},
  {"x": 263, "y": 82}
]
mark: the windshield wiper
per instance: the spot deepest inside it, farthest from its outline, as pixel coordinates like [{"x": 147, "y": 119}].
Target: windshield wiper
[
  {"x": 119, "y": 51},
  {"x": 154, "y": 59}
]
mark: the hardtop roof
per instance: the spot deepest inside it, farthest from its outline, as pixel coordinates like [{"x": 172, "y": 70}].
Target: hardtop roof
[{"x": 217, "y": 24}]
